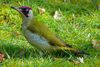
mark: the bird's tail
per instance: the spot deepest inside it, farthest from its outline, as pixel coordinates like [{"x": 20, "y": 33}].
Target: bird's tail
[{"x": 75, "y": 51}]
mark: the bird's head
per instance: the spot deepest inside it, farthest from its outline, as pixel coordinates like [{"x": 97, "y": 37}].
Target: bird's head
[{"x": 25, "y": 11}]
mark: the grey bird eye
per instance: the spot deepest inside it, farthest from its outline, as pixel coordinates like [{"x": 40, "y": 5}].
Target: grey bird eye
[{"x": 26, "y": 9}]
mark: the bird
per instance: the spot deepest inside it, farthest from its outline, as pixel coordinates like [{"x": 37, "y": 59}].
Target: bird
[{"x": 39, "y": 35}]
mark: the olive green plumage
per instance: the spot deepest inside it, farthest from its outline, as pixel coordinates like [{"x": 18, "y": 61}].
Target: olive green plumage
[{"x": 42, "y": 30}]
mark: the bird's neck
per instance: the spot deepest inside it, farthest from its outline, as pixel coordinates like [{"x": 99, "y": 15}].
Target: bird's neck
[{"x": 26, "y": 22}]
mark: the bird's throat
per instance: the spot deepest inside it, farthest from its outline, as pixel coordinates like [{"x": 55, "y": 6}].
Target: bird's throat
[{"x": 25, "y": 24}]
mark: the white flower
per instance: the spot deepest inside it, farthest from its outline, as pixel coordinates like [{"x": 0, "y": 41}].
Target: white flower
[{"x": 81, "y": 60}]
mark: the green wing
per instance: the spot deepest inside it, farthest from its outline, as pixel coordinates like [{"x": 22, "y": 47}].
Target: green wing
[{"x": 43, "y": 30}]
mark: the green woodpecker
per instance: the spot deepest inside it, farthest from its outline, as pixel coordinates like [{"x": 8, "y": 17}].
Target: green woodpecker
[{"x": 39, "y": 35}]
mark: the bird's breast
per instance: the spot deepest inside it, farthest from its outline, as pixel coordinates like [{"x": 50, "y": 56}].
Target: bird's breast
[{"x": 37, "y": 40}]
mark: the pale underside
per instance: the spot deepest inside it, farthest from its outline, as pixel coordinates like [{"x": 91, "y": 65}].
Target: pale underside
[{"x": 37, "y": 41}]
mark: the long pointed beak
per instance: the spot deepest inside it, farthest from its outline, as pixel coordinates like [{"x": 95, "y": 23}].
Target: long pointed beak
[{"x": 16, "y": 8}]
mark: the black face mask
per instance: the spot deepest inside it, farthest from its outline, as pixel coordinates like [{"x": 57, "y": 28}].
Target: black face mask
[{"x": 25, "y": 11}]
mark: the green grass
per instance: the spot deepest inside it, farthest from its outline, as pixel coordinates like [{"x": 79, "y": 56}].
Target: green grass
[{"x": 78, "y": 31}]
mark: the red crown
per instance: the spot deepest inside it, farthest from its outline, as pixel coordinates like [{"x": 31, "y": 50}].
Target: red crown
[{"x": 26, "y": 7}]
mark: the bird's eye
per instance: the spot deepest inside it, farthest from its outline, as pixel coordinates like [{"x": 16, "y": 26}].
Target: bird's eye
[{"x": 27, "y": 10}]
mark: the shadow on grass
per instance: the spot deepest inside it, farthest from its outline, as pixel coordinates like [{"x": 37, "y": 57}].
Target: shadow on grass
[{"x": 24, "y": 50}]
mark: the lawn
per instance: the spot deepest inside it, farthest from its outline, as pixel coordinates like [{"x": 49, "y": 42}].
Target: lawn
[{"x": 79, "y": 26}]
